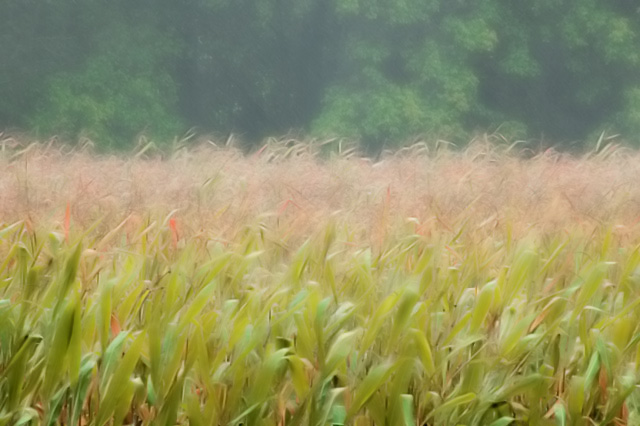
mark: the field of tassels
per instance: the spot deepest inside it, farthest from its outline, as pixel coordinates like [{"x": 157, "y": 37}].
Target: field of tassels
[{"x": 299, "y": 285}]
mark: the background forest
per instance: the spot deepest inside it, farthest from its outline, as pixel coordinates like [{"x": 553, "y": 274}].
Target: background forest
[{"x": 374, "y": 70}]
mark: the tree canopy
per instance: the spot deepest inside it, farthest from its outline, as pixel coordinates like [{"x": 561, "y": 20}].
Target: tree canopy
[{"x": 380, "y": 71}]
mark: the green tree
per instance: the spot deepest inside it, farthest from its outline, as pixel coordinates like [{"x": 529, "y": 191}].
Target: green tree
[
  {"x": 408, "y": 70},
  {"x": 37, "y": 40},
  {"x": 124, "y": 88},
  {"x": 564, "y": 68},
  {"x": 380, "y": 71},
  {"x": 256, "y": 68}
]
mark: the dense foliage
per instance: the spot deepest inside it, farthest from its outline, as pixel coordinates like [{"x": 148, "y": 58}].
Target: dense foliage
[
  {"x": 382, "y": 71},
  {"x": 211, "y": 288},
  {"x": 158, "y": 329}
]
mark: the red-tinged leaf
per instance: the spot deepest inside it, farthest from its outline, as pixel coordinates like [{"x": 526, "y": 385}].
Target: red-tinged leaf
[
  {"x": 623, "y": 420},
  {"x": 260, "y": 151},
  {"x": 67, "y": 222},
  {"x": 283, "y": 207},
  {"x": 453, "y": 252},
  {"x": 602, "y": 381},
  {"x": 286, "y": 204},
  {"x": 175, "y": 236},
  {"x": 115, "y": 326}
]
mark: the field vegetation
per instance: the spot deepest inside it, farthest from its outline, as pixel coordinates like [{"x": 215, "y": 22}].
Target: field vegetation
[{"x": 303, "y": 284}]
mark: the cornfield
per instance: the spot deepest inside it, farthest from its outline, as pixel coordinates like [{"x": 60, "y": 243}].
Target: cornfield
[{"x": 214, "y": 288}]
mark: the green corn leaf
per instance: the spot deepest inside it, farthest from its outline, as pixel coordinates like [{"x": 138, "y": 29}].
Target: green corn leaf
[
  {"x": 198, "y": 303},
  {"x": 266, "y": 375},
  {"x": 298, "y": 375},
  {"x": 592, "y": 370},
  {"x": 55, "y": 407},
  {"x": 329, "y": 404},
  {"x": 75, "y": 342},
  {"x": 376, "y": 322},
  {"x": 338, "y": 415},
  {"x": 111, "y": 358},
  {"x": 70, "y": 271},
  {"x": 123, "y": 406},
  {"x": 407, "y": 302},
  {"x": 57, "y": 351},
  {"x": 104, "y": 311},
  {"x": 514, "y": 336},
  {"x": 370, "y": 384},
  {"x": 117, "y": 388},
  {"x": 503, "y": 421},
  {"x": 407, "y": 410},
  {"x": 6, "y": 230},
  {"x": 576, "y": 396},
  {"x": 339, "y": 350},
  {"x": 15, "y": 371},
  {"x": 594, "y": 280},
  {"x": 82, "y": 384},
  {"x": 460, "y": 324},
  {"x": 243, "y": 415},
  {"x": 453, "y": 403},
  {"x": 28, "y": 416},
  {"x": 483, "y": 305},
  {"x": 424, "y": 351},
  {"x": 560, "y": 415}
]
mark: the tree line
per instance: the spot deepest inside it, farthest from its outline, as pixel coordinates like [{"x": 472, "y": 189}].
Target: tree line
[{"x": 381, "y": 71}]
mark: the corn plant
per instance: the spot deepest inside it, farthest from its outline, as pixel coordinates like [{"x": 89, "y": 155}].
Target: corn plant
[{"x": 419, "y": 331}]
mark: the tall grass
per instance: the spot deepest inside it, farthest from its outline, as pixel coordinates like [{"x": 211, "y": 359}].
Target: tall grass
[{"x": 473, "y": 288}]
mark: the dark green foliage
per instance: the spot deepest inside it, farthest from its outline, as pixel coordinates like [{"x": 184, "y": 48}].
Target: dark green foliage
[
  {"x": 121, "y": 90},
  {"x": 379, "y": 71}
]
